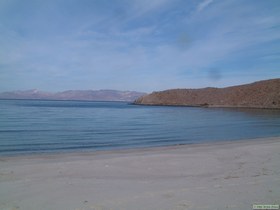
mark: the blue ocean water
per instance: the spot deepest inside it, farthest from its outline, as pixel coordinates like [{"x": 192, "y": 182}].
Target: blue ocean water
[{"x": 39, "y": 126}]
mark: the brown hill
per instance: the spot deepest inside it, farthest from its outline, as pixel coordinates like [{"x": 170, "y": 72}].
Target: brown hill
[{"x": 262, "y": 94}]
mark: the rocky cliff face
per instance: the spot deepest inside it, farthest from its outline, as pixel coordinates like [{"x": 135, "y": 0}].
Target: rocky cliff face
[{"x": 262, "y": 94}]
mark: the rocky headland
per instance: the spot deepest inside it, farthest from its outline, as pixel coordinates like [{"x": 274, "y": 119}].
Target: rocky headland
[{"x": 261, "y": 94}]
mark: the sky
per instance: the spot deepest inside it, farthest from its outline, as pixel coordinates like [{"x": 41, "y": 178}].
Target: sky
[{"x": 140, "y": 45}]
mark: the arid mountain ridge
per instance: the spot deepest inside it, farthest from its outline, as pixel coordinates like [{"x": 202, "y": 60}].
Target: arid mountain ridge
[
  {"x": 261, "y": 94},
  {"x": 89, "y": 95}
]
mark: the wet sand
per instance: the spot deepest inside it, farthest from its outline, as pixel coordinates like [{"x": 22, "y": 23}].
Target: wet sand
[{"x": 225, "y": 175}]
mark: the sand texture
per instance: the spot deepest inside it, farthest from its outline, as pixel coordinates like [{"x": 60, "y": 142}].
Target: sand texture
[{"x": 231, "y": 175}]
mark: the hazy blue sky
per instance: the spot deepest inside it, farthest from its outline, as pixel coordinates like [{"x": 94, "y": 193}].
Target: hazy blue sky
[{"x": 141, "y": 45}]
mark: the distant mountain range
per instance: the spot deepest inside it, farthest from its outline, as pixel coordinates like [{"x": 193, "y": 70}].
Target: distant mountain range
[
  {"x": 261, "y": 94},
  {"x": 90, "y": 95}
]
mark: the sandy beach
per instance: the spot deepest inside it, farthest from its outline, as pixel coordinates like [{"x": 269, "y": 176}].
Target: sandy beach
[{"x": 224, "y": 175}]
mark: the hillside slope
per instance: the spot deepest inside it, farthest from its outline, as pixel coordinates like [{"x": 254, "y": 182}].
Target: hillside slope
[
  {"x": 262, "y": 94},
  {"x": 90, "y": 95}
]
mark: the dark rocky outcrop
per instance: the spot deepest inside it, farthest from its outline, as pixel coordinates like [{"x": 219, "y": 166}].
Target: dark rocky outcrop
[{"x": 262, "y": 94}]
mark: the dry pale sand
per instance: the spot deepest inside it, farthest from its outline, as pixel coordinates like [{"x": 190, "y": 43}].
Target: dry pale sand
[{"x": 232, "y": 175}]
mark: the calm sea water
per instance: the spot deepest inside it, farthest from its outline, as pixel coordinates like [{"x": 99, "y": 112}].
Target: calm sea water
[{"x": 37, "y": 126}]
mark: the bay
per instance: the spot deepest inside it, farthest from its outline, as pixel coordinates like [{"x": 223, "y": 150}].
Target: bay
[{"x": 41, "y": 126}]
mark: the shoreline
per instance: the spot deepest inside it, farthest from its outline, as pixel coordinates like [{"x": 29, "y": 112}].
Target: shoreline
[
  {"x": 141, "y": 149},
  {"x": 221, "y": 175},
  {"x": 209, "y": 106}
]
